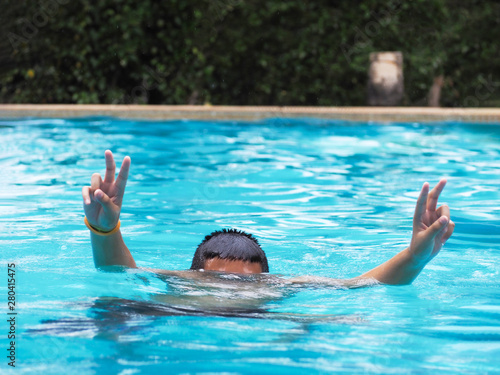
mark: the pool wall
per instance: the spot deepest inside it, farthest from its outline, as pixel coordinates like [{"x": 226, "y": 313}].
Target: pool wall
[{"x": 192, "y": 112}]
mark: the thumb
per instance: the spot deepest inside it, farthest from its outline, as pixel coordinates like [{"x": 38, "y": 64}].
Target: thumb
[
  {"x": 104, "y": 200},
  {"x": 438, "y": 226}
]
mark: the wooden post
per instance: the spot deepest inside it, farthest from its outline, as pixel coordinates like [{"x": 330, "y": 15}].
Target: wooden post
[
  {"x": 385, "y": 79},
  {"x": 434, "y": 97}
]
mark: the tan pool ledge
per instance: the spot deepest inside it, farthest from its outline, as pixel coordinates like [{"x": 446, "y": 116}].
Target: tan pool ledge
[{"x": 171, "y": 112}]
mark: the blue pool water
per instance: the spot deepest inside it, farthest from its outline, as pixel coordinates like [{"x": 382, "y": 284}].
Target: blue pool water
[{"x": 324, "y": 198}]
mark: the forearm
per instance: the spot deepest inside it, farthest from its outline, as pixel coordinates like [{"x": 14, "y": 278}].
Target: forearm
[
  {"x": 399, "y": 270},
  {"x": 308, "y": 281},
  {"x": 111, "y": 251}
]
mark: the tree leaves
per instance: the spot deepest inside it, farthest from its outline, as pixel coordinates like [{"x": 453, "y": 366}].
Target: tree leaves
[{"x": 257, "y": 52}]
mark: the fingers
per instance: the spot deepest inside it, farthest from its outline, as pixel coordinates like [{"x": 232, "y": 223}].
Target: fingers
[
  {"x": 95, "y": 182},
  {"x": 438, "y": 226},
  {"x": 444, "y": 210},
  {"x": 421, "y": 201},
  {"x": 121, "y": 180},
  {"x": 449, "y": 231},
  {"x": 109, "y": 177},
  {"x": 434, "y": 195},
  {"x": 104, "y": 200},
  {"x": 86, "y": 194}
]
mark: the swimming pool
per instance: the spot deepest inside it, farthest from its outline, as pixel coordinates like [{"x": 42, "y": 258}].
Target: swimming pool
[{"x": 326, "y": 198}]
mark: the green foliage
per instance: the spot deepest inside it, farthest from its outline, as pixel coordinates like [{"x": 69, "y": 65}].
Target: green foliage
[{"x": 233, "y": 52}]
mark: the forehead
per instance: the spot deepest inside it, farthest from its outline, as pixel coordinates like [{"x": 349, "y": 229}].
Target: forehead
[{"x": 232, "y": 266}]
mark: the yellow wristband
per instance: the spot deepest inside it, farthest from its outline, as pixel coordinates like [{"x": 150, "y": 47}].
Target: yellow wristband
[{"x": 98, "y": 232}]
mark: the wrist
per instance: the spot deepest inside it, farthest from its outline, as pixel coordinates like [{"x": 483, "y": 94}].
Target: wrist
[
  {"x": 414, "y": 259},
  {"x": 102, "y": 231}
]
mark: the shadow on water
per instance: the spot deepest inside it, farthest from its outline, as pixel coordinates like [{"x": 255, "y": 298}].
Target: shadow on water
[{"x": 111, "y": 317}]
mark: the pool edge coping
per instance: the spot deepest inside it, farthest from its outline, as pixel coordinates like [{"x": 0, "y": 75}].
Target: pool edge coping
[{"x": 253, "y": 113}]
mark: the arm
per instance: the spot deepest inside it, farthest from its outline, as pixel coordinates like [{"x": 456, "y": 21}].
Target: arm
[
  {"x": 431, "y": 229},
  {"x": 102, "y": 203}
]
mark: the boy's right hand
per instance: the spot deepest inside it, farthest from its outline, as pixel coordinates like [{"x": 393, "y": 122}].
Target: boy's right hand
[{"x": 102, "y": 201}]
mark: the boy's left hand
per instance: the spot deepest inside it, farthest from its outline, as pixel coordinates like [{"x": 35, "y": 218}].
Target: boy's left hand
[{"x": 431, "y": 227}]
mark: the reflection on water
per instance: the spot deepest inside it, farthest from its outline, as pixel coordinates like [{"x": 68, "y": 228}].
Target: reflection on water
[
  {"x": 195, "y": 294},
  {"x": 110, "y": 317}
]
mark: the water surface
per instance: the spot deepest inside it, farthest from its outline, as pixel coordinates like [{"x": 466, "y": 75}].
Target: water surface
[{"x": 324, "y": 198}]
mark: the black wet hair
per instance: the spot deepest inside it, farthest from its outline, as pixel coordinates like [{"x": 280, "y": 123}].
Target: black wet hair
[{"x": 231, "y": 244}]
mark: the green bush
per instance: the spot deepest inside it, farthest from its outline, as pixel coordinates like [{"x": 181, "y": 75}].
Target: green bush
[{"x": 233, "y": 52}]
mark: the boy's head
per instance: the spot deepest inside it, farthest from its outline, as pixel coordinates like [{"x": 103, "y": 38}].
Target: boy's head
[{"x": 230, "y": 250}]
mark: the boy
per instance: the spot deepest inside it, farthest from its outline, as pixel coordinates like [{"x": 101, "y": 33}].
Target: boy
[{"x": 237, "y": 252}]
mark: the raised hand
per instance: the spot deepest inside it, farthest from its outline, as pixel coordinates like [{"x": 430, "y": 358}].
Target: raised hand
[
  {"x": 102, "y": 201},
  {"x": 431, "y": 227}
]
